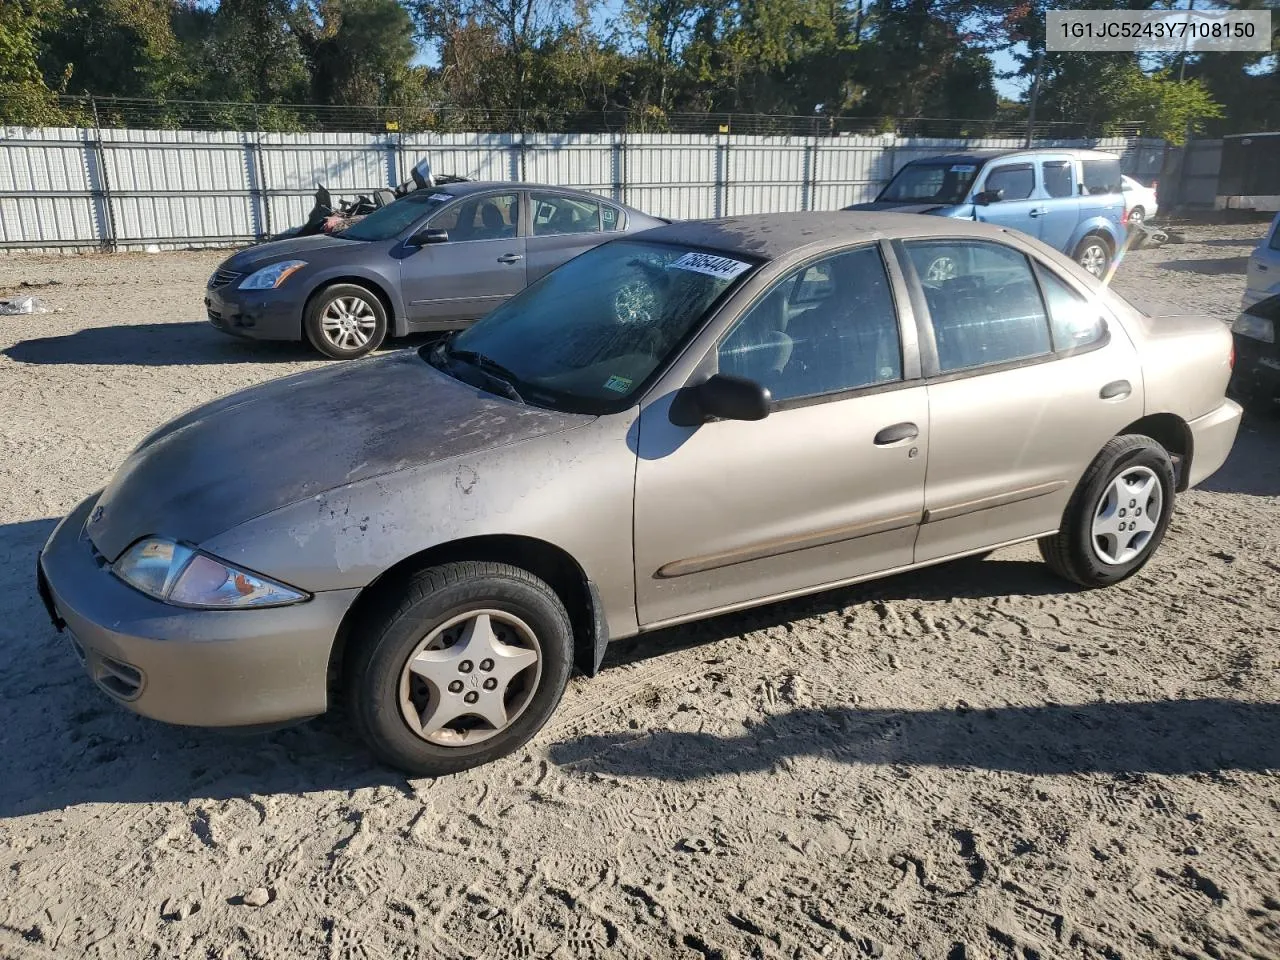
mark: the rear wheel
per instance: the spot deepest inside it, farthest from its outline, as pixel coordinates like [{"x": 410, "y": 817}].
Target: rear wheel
[
  {"x": 1136, "y": 216},
  {"x": 462, "y": 666},
  {"x": 1093, "y": 254},
  {"x": 345, "y": 321},
  {"x": 1117, "y": 516}
]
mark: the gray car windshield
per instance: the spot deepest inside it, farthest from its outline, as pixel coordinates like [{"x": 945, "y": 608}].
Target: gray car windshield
[
  {"x": 931, "y": 182},
  {"x": 590, "y": 335},
  {"x": 390, "y": 221}
]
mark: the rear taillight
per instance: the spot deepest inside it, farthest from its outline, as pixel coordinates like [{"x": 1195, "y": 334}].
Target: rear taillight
[
  {"x": 1231, "y": 357},
  {"x": 1124, "y": 217}
]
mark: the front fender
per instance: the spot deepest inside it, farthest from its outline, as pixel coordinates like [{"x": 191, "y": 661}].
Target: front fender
[
  {"x": 573, "y": 489},
  {"x": 387, "y": 282}
]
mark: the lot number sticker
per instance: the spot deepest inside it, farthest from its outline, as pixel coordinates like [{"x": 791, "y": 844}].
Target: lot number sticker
[{"x": 711, "y": 265}]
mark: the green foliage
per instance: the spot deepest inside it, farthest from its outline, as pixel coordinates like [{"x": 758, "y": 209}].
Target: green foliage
[
  {"x": 541, "y": 63},
  {"x": 1103, "y": 91}
]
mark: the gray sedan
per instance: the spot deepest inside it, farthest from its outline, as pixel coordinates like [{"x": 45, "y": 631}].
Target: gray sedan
[
  {"x": 699, "y": 418},
  {"x": 436, "y": 259}
]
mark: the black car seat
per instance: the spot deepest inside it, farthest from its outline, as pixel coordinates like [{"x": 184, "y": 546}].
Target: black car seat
[{"x": 495, "y": 224}]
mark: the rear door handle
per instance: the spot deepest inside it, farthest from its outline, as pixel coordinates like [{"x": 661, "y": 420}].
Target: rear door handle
[
  {"x": 511, "y": 258},
  {"x": 896, "y": 434},
  {"x": 1116, "y": 390}
]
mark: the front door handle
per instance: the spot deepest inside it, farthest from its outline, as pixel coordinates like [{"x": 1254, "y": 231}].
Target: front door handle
[
  {"x": 511, "y": 258},
  {"x": 1116, "y": 390},
  {"x": 1036, "y": 213},
  {"x": 896, "y": 434}
]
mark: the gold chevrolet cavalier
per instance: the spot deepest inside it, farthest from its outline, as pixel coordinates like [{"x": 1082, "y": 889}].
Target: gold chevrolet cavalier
[{"x": 678, "y": 423}]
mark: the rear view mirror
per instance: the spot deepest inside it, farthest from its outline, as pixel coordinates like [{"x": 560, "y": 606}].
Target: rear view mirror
[
  {"x": 988, "y": 196},
  {"x": 429, "y": 235},
  {"x": 727, "y": 397}
]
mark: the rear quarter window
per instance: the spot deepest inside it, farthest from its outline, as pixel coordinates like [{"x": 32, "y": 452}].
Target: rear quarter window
[{"x": 1102, "y": 176}]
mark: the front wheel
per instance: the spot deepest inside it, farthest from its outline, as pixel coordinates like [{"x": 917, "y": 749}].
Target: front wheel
[
  {"x": 1117, "y": 516},
  {"x": 1094, "y": 255},
  {"x": 345, "y": 321},
  {"x": 462, "y": 666}
]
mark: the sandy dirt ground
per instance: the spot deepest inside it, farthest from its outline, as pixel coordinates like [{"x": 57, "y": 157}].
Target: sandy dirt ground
[{"x": 966, "y": 763}]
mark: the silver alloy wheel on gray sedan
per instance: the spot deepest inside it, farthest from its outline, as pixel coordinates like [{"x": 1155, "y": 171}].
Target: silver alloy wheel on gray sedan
[
  {"x": 1127, "y": 516},
  {"x": 1093, "y": 255},
  {"x": 470, "y": 678},
  {"x": 348, "y": 323},
  {"x": 345, "y": 321}
]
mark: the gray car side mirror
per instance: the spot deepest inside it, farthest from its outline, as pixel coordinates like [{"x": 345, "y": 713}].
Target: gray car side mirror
[
  {"x": 428, "y": 235},
  {"x": 727, "y": 397},
  {"x": 988, "y": 196}
]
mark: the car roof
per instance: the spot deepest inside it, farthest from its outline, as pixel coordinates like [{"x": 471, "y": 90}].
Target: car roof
[
  {"x": 771, "y": 236},
  {"x": 465, "y": 187},
  {"x": 981, "y": 156}
]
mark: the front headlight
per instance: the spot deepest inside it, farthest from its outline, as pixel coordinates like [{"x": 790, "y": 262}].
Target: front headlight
[
  {"x": 173, "y": 573},
  {"x": 271, "y": 277},
  {"x": 1255, "y": 327}
]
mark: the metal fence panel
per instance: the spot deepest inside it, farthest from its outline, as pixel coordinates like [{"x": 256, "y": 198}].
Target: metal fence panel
[{"x": 127, "y": 187}]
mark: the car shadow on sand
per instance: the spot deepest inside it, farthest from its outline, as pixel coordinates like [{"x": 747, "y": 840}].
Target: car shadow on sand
[
  {"x": 1253, "y": 468},
  {"x": 1213, "y": 266},
  {"x": 1163, "y": 737},
  {"x": 181, "y": 343}
]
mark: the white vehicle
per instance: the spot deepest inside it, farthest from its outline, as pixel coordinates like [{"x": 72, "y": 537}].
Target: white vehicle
[{"x": 1139, "y": 201}]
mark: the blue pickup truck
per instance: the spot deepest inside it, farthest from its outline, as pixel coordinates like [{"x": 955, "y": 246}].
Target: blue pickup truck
[{"x": 1072, "y": 200}]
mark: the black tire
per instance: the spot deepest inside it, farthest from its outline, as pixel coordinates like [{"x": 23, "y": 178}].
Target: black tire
[
  {"x": 428, "y": 599},
  {"x": 1093, "y": 250},
  {"x": 313, "y": 320},
  {"x": 1137, "y": 215},
  {"x": 1070, "y": 552}
]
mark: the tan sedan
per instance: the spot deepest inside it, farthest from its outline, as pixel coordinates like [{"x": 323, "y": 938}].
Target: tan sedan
[{"x": 685, "y": 421}]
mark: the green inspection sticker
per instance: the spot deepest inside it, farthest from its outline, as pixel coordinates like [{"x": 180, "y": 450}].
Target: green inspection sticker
[{"x": 618, "y": 384}]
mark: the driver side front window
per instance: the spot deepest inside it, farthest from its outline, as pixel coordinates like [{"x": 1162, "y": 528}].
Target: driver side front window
[{"x": 827, "y": 327}]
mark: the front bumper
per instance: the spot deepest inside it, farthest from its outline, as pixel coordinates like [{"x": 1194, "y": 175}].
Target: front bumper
[
  {"x": 258, "y": 314},
  {"x": 1212, "y": 437},
  {"x": 1256, "y": 374},
  {"x": 214, "y": 668}
]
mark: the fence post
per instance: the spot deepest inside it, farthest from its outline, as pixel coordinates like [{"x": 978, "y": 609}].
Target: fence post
[
  {"x": 811, "y": 178},
  {"x": 722, "y": 193},
  {"x": 620, "y": 168},
  {"x": 261, "y": 201},
  {"x": 104, "y": 179}
]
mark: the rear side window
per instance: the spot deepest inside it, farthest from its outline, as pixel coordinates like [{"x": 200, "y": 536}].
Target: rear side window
[
  {"x": 1075, "y": 322},
  {"x": 1057, "y": 177},
  {"x": 1017, "y": 180},
  {"x": 983, "y": 303},
  {"x": 1102, "y": 176}
]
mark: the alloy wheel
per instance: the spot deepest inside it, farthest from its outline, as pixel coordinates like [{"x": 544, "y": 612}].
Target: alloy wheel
[
  {"x": 1094, "y": 258},
  {"x": 348, "y": 323}
]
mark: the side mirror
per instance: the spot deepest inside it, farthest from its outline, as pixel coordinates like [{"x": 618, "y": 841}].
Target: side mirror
[
  {"x": 727, "y": 397},
  {"x": 428, "y": 235},
  {"x": 988, "y": 196}
]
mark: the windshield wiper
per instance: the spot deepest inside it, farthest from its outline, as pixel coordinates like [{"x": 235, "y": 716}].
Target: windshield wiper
[{"x": 492, "y": 369}]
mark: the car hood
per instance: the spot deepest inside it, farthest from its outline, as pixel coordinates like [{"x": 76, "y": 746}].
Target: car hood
[
  {"x": 271, "y": 445},
  {"x": 262, "y": 254},
  {"x": 900, "y": 206}
]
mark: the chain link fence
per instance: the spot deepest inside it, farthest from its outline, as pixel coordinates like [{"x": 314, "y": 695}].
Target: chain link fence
[{"x": 126, "y": 113}]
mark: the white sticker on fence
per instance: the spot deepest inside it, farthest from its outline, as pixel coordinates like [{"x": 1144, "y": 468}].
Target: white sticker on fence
[{"x": 711, "y": 265}]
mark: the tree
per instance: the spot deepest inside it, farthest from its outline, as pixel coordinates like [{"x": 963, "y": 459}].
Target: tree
[
  {"x": 25, "y": 97},
  {"x": 257, "y": 54},
  {"x": 358, "y": 51}
]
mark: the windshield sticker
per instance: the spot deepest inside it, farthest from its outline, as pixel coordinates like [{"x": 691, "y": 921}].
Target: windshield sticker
[
  {"x": 618, "y": 384},
  {"x": 711, "y": 265},
  {"x": 441, "y": 197},
  {"x": 963, "y": 168}
]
